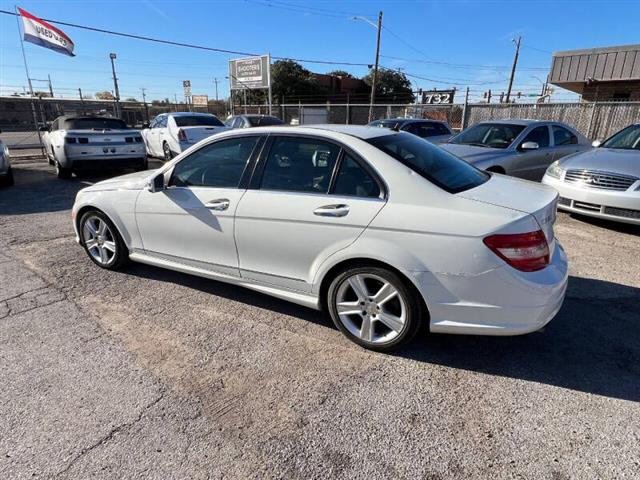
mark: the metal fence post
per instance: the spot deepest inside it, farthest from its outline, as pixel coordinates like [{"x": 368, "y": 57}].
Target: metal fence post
[{"x": 463, "y": 124}]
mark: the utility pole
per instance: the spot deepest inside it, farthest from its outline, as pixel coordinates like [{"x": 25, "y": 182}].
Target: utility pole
[
  {"x": 81, "y": 100},
  {"x": 215, "y": 80},
  {"x": 375, "y": 68},
  {"x": 513, "y": 68},
  {"x": 112, "y": 56},
  {"x": 146, "y": 107}
]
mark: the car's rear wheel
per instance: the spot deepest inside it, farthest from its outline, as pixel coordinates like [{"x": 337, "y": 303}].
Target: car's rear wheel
[
  {"x": 101, "y": 241},
  {"x": 374, "y": 307},
  {"x": 7, "y": 180},
  {"x": 167, "y": 151},
  {"x": 62, "y": 172}
]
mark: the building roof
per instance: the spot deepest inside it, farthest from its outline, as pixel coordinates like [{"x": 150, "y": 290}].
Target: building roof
[{"x": 571, "y": 69}]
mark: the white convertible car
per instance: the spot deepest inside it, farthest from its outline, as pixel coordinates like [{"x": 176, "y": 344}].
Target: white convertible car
[
  {"x": 383, "y": 230},
  {"x": 172, "y": 133},
  {"x": 75, "y": 143}
]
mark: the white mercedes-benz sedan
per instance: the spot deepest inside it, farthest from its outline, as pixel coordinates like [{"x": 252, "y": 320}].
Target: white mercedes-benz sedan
[{"x": 382, "y": 229}]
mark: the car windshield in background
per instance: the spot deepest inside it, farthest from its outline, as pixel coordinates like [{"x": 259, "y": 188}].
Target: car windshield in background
[
  {"x": 384, "y": 123},
  {"x": 627, "y": 139},
  {"x": 197, "y": 121},
  {"x": 94, "y": 124},
  {"x": 491, "y": 135},
  {"x": 442, "y": 168},
  {"x": 264, "y": 121}
]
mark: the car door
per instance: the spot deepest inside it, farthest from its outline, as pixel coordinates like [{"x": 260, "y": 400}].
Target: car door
[
  {"x": 565, "y": 142},
  {"x": 191, "y": 221},
  {"x": 309, "y": 198},
  {"x": 531, "y": 164},
  {"x": 151, "y": 137}
]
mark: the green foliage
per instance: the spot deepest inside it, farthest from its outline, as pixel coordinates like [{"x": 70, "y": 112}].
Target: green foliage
[{"x": 390, "y": 83}]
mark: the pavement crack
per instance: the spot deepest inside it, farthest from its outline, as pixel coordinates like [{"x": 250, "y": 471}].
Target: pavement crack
[{"x": 110, "y": 435}]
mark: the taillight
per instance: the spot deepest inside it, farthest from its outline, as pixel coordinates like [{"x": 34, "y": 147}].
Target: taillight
[
  {"x": 526, "y": 252},
  {"x": 182, "y": 136},
  {"x": 70, "y": 139}
]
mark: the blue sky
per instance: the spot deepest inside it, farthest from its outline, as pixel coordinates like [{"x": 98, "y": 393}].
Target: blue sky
[{"x": 452, "y": 43}]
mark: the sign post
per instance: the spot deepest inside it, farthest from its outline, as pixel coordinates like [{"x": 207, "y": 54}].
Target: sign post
[{"x": 186, "y": 86}]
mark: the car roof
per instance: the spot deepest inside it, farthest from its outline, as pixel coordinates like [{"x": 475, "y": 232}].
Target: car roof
[
  {"x": 256, "y": 115},
  {"x": 362, "y": 132},
  {"x": 407, "y": 120},
  {"x": 519, "y": 121},
  {"x": 189, "y": 114}
]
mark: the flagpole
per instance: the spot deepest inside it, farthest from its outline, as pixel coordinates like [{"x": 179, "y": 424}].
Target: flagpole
[{"x": 26, "y": 69}]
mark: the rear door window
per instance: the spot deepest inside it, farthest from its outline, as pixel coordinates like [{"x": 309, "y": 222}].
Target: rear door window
[
  {"x": 353, "y": 180},
  {"x": 300, "y": 164},
  {"x": 562, "y": 136}
]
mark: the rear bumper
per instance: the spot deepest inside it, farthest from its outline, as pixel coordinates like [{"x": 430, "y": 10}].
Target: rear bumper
[
  {"x": 99, "y": 163},
  {"x": 619, "y": 206},
  {"x": 502, "y": 301}
]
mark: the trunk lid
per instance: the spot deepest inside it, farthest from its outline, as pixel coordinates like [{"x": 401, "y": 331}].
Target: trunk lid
[
  {"x": 197, "y": 133},
  {"x": 536, "y": 199}
]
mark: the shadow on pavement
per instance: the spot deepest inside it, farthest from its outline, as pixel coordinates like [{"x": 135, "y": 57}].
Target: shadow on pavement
[
  {"x": 592, "y": 346},
  {"x": 608, "y": 224}
]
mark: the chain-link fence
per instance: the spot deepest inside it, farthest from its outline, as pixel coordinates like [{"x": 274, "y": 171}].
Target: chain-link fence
[{"x": 594, "y": 120}]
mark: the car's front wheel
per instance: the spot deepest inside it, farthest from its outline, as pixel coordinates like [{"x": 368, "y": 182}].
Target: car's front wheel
[
  {"x": 101, "y": 241},
  {"x": 374, "y": 307}
]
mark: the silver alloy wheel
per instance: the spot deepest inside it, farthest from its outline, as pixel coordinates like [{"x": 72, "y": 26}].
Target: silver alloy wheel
[
  {"x": 99, "y": 239},
  {"x": 371, "y": 308}
]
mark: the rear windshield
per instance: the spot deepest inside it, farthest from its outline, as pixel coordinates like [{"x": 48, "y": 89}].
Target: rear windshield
[
  {"x": 97, "y": 123},
  {"x": 197, "y": 121},
  {"x": 442, "y": 168},
  {"x": 490, "y": 135},
  {"x": 627, "y": 139},
  {"x": 264, "y": 121}
]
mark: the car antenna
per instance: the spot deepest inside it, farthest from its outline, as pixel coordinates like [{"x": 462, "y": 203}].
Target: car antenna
[{"x": 396, "y": 127}]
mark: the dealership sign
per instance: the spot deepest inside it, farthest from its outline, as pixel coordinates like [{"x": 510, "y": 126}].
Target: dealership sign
[
  {"x": 200, "y": 100},
  {"x": 438, "y": 97},
  {"x": 249, "y": 73}
]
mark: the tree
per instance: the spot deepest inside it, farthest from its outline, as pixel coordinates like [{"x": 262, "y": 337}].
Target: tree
[
  {"x": 105, "y": 95},
  {"x": 391, "y": 84},
  {"x": 130, "y": 99},
  {"x": 341, "y": 73},
  {"x": 290, "y": 79}
]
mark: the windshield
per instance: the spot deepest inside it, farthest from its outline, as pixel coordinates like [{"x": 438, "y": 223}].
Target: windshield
[
  {"x": 626, "y": 139},
  {"x": 442, "y": 168},
  {"x": 97, "y": 123},
  {"x": 263, "y": 121},
  {"x": 197, "y": 121},
  {"x": 490, "y": 135},
  {"x": 383, "y": 123}
]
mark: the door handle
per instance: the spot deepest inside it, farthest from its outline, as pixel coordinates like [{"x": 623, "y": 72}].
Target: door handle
[
  {"x": 218, "y": 204},
  {"x": 339, "y": 210}
]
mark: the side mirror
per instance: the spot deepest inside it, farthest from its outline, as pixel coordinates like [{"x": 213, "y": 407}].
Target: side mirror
[
  {"x": 596, "y": 143},
  {"x": 529, "y": 146},
  {"x": 156, "y": 183},
  {"x": 145, "y": 125},
  {"x": 46, "y": 128}
]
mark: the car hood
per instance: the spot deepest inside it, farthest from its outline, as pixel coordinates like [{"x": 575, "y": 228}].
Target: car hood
[
  {"x": 615, "y": 160},
  {"x": 474, "y": 154},
  {"x": 521, "y": 195},
  {"x": 131, "y": 181}
]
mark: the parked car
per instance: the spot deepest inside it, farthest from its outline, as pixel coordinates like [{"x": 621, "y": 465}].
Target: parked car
[
  {"x": 433, "y": 130},
  {"x": 172, "y": 133},
  {"x": 603, "y": 182},
  {"x": 6, "y": 174},
  {"x": 75, "y": 143},
  {"x": 249, "y": 121},
  {"x": 520, "y": 148},
  {"x": 380, "y": 228}
]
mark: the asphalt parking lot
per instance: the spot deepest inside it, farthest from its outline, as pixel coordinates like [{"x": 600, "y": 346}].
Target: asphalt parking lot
[{"x": 148, "y": 373}]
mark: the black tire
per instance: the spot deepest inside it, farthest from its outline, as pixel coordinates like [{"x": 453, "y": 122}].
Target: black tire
[
  {"x": 62, "y": 172},
  {"x": 7, "y": 180},
  {"x": 121, "y": 256},
  {"x": 409, "y": 296},
  {"x": 168, "y": 154}
]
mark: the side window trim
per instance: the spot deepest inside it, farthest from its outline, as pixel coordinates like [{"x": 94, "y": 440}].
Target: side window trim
[{"x": 246, "y": 173}]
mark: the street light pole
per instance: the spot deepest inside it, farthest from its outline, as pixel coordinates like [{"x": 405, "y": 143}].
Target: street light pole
[
  {"x": 375, "y": 68},
  {"x": 146, "y": 107},
  {"x": 112, "y": 56},
  {"x": 513, "y": 69}
]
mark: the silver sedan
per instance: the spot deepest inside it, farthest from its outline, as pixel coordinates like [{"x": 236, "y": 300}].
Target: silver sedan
[
  {"x": 604, "y": 182},
  {"x": 520, "y": 148}
]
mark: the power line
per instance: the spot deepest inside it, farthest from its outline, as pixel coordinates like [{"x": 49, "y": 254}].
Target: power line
[
  {"x": 323, "y": 12},
  {"x": 462, "y": 65}
]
